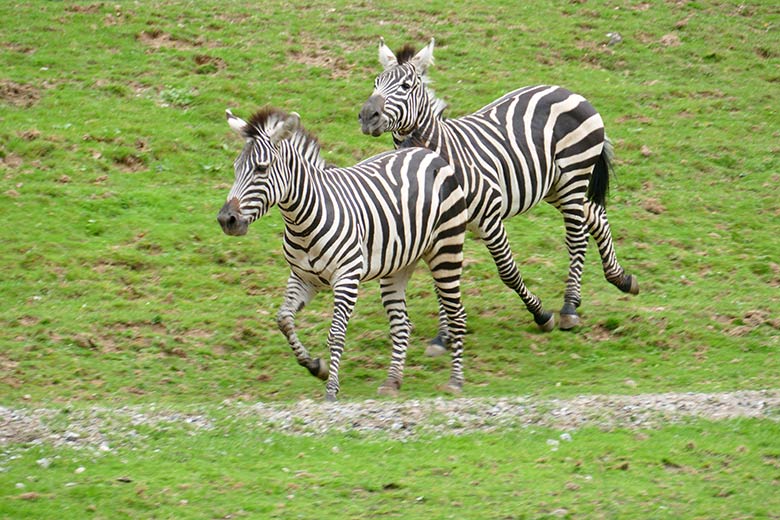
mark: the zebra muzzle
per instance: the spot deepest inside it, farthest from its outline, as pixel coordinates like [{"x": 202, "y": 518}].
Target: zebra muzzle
[
  {"x": 231, "y": 220},
  {"x": 372, "y": 120}
]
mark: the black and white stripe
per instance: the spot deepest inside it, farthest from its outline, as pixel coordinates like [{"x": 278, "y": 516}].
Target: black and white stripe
[
  {"x": 536, "y": 143},
  {"x": 374, "y": 220}
]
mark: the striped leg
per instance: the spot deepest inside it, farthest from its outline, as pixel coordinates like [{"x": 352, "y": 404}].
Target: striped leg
[
  {"x": 297, "y": 295},
  {"x": 598, "y": 227},
  {"x": 448, "y": 291},
  {"x": 345, "y": 293},
  {"x": 446, "y": 264},
  {"x": 493, "y": 234},
  {"x": 577, "y": 245},
  {"x": 568, "y": 198},
  {"x": 393, "y": 290},
  {"x": 438, "y": 345}
]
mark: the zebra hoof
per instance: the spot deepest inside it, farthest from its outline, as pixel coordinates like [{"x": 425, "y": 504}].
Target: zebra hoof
[
  {"x": 389, "y": 389},
  {"x": 546, "y": 325},
  {"x": 569, "y": 321},
  {"x": 436, "y": 347},
  {"x": 634, "y": 289},
  {"x": 629, "y": 284},
  {"x": 330, "y": 397},
  {"x": 318, "y": 369},
  {"x": 453, "y": 387}
]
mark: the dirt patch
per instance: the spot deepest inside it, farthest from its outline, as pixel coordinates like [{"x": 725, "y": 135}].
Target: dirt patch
[
  {"x": 338, "y": 67},
  {"x": 90, "y": 8},
  {"x": 314, "y": 53},
  {"x": 19, "y": 94},
  {"x": 670, "y": 40},
  {"x": 206, "y": 64},
  {"x": 157, "y": 39},
  {"x": 16, "y": 47},
  {"x": 130, "y": 163},
  {"x": 11, "y": 161},
  {"x": 653, "y": 206}
]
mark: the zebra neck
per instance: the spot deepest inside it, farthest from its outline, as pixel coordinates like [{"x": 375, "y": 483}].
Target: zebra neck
[
  {"x": 430, "y": 134},
  {"x": 302, "y": 192}
]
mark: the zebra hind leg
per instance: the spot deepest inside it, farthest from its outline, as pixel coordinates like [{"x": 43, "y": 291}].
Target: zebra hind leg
[
  {"x": 438, "y": 346},
  {"x": 599, "y": 229},
  {"x": 494, "y": 236},
  {"x": 577, "y": 245}
]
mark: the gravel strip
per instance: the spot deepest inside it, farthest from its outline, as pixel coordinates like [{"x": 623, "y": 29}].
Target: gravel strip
[{"x": 100, "y": 427}]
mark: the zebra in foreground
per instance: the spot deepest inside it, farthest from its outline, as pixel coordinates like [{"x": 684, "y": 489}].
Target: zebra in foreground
[
  {"x": 536, "y": 143},
  {"x": 374, "y": 220}
]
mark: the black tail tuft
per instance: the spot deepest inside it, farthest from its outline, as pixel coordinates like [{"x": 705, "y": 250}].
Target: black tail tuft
[{"x": 598, "y": 188}]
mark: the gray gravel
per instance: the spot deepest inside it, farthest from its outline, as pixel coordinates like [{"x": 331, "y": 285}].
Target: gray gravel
[{"x": 103, "y": 429}]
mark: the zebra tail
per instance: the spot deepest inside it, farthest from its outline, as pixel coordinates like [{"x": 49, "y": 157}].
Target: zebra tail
[{"x": 598, "y": 187}]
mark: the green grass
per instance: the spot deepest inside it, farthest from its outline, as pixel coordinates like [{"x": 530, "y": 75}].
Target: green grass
[
  {"x": 698, "y": 470},
  {"x": 118, "y": 286}
]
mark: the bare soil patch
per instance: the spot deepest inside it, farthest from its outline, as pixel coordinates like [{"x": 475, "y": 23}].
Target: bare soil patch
[{"x": 18, "y": 94}]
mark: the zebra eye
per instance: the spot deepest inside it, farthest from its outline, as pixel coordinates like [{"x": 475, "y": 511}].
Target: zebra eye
[
  {"x": 406, "y": 86},
  {"x": 260, "y": 168}
]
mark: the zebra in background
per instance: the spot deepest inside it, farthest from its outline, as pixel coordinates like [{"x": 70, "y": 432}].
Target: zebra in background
[
  {"x": 536, "y": 143},
  {"x": 374, "y": 220}
]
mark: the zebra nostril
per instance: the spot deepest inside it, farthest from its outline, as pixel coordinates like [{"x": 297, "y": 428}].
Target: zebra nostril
[{"x": 231, "y": 220}]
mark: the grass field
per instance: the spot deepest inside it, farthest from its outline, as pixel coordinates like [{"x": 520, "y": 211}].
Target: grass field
[{"x": 119, "y": 288}]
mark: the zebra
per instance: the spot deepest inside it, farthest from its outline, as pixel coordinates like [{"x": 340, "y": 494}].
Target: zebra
[
  {"x": 535, "y": 143},
  {"x": 374, "y": 220}
]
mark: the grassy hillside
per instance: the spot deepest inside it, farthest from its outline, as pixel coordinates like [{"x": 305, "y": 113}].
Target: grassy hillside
[
  {"x": 119, "y": 290},
  {"x": 119, "y": 286}
]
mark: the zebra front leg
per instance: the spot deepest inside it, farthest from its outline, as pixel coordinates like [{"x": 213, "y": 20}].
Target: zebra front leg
[
  {"x": 494, "y": 236},
  {"x": 345, "y": 294},
  {"x": 448, "y": 291},
  {"x": 446, "y": 264},
  {"x": 296, "y": 296},
  {"x": 393, "y": 290},
  {"x": 598, "y": 227}
]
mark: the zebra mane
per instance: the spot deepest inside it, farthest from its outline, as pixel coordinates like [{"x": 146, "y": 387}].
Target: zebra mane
[
  {"x": 267, "y": 118},
  {"x": 405, "y": 55}
]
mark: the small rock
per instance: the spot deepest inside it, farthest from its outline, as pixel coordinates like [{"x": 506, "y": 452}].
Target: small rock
[{"x": 614, "y": 38}]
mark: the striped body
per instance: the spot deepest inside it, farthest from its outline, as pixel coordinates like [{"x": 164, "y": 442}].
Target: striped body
[
  {"x": 535, "y": 143},
  {"x": 374, "y": 220},
  {"x": 519, "y": 149}
]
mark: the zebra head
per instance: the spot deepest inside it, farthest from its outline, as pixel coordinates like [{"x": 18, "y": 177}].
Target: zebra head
[
  {"x": 400, "y": 95},
  {"x": 259, "y": 175}
]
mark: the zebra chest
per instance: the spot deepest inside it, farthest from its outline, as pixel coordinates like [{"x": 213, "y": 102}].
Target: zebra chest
[{"x": 321, "y": 262}]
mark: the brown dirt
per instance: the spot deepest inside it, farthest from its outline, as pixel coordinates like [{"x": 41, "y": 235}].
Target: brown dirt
[{"x": 18, "y": 94}]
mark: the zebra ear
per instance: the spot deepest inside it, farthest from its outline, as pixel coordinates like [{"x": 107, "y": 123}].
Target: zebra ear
[
  {"x": 237, "y": 124},
  {"x": 285, "y": 130},
  {"x": 423, "y": 59},
  {"x": 386, "y": 57}
]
